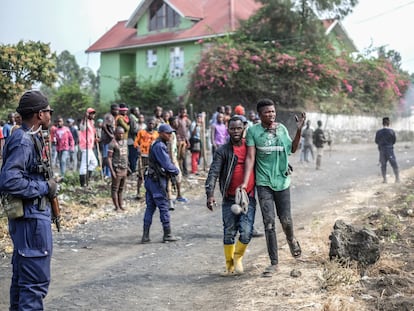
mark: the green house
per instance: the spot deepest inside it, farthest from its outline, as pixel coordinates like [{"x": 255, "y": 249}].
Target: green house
[
  {"x": 164, "y": 36},
  {"x": 167, "y": 36}
]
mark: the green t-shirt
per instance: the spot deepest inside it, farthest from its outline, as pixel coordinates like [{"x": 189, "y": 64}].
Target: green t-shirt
[{"x": 272, "y": 152}]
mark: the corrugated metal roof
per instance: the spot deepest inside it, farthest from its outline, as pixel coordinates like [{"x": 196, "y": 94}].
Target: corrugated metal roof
[{"x": 216, "y": 17}]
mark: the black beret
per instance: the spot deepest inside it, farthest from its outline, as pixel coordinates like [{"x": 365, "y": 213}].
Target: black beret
[{"x": 32, "y": 101}]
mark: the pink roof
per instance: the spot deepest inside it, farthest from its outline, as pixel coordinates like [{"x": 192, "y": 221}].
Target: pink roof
[{"x": 216, "y": 17}]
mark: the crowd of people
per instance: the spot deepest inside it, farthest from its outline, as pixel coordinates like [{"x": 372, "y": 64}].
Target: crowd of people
[
  {"x": 250, "y": 161},
  {"x": 83, "y": 146}
]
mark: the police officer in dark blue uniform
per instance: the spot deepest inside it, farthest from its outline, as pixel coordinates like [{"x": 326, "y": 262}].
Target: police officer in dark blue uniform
[
  {"x": 160, "y": 169},
  {"x": 24, "y": 184},
  {"x": 385, "y": 139}
]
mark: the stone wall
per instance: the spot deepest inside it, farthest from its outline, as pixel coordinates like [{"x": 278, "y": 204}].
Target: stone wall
[{"x": 351, "y": 129}]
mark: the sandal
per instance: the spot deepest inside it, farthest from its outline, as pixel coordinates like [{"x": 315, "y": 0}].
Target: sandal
[
  {"x": 269, "y": 271},
  {"x": 295, "y": 249}
]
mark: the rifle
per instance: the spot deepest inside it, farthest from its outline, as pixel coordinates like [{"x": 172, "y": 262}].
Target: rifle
[
  {"x": 46, "y": 169},
  {"x": 54, "y": 202},
  {"x": 173, "y": 180}
]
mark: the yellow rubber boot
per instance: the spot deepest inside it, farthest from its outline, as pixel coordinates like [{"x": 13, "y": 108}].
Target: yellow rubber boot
[
  {"x": 238, "y": 256},
  {"x": 229, "y": 254}
]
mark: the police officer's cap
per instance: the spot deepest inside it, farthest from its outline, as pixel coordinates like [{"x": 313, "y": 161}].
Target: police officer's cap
[
  {"x": 32, "y": 101},
  {"x": 165, "y": 128}
]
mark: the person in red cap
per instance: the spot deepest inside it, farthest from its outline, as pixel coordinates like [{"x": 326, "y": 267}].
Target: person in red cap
[
  {"x": 87, "y": 138},
  {"x": 239, "y": 110}
]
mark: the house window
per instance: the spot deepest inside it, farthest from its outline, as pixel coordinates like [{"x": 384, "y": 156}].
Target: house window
[
  {"x": 151, "y": 58},
  {"x": 162, "y": 16},
  {"x": 176, "y": 62}
]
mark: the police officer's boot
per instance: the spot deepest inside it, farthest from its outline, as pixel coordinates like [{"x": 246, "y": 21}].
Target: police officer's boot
[
  {"x": 145, "y": 235},
  {"x": 168, "y": 237},
  {"x": 82, "y": 180}
]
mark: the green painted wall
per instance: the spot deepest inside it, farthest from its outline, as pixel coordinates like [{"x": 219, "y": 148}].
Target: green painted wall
[
  {"x": 191, "y": 56},
  {"x": 115, "y": 65},
  {"x": 127, "y": 64},
  {"x": 109, "y": 77}
]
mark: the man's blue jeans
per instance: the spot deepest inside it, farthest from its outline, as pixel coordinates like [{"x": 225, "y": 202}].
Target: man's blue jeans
[
  {"x": 63, "y": 160},
  {"x": 272, "y": 202},
  {"x": 242, "y": 223}
]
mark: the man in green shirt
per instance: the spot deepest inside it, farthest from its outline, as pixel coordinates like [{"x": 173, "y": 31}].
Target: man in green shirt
[{"x": 268, "y": 148}]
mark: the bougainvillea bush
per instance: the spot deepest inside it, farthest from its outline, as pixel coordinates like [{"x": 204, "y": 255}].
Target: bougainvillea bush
[{"x": 243, "y": 72}]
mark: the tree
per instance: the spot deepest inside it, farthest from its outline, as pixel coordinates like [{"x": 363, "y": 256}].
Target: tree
[
  {"x": 70, "y": 101},
  {"x": 146, "y": 94},
  {"x": 336, "y": 9},
  {"x": 392, "y": 56},
  {"x": 244, "y": 72},
  {"x": 77, "y": 87},
  {"x": 70, "y": 73},
  {"x": 282, "y": 53},
  {"x": 295, "y": 25},
  {"x": 278, "y": 22},
  {"x": 68, "y": 69},
  {"x": 22, "y": 66},
  {"x": 129, "y": 91}
]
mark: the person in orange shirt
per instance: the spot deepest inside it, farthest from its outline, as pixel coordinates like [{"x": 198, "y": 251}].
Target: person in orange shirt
[{"x": 143, "y": 142}]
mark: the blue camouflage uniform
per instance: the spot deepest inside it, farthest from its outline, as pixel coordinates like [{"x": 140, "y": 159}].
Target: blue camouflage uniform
[
  {"x": 32, "y": 233},
  {"x": 156, "y": 186}
]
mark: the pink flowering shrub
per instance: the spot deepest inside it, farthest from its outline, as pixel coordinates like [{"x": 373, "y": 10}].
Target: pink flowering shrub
[{"x": 245, "y": 72}]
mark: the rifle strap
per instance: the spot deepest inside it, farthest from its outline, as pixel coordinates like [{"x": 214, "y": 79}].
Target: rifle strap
[
  {"x": 39, "y": 151},
  {"x": 39, "y": 148}
]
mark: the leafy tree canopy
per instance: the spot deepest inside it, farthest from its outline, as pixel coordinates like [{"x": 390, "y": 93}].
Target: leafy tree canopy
[
  {"x": 294, "y": 25},
  {"x": 70, "y": 101},
  {"x": 23, "y": 65},
  {"x": 146, "y": 94},
  {"x": 68, "y": 69},
  {"x": 337, "y": 9}
]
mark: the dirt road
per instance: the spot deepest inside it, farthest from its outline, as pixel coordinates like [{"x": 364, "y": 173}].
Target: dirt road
[{"x": 102, "y": 266}]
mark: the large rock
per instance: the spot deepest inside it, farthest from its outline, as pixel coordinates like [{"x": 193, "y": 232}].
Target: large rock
[{"x": 349, "y": 242}]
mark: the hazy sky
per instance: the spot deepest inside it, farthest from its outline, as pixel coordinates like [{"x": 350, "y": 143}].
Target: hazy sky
[{"x": 74, "y": 25}]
